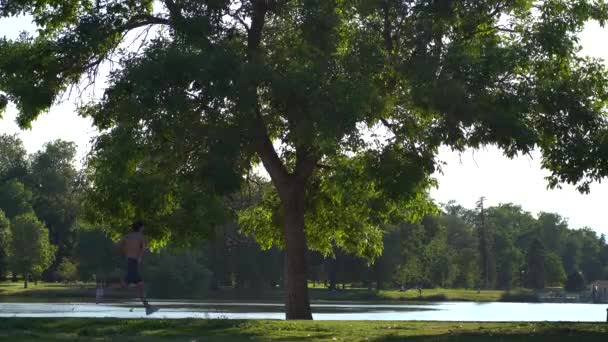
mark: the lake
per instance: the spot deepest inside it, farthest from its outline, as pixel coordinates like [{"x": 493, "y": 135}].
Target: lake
[{"x": 441, "y": 311}]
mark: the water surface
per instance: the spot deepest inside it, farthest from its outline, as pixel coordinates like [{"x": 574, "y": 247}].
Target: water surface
[{"x": 443, "y": 311}]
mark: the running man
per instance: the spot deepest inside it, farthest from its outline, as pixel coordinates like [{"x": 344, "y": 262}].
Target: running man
[{"x": 133, "y": 246}]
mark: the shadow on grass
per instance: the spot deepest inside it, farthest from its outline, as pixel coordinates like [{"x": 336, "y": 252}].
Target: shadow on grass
[
  {"x": 26, "y": 329},
  {"x": 71, "y": 329},
  {"x": 480, "y": 337},
  {"x": 526, "y": 297}
]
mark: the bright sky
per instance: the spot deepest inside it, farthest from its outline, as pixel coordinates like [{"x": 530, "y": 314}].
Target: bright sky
[{"x": 465, "y": 178}]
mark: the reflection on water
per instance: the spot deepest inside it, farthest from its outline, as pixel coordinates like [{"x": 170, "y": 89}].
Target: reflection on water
[{"x": 445, "y": 311}]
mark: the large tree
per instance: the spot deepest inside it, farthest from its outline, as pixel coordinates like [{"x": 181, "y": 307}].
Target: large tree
[
  {"x": 554, "y": 270},
  {"x": 13, "y": 162},
  {"x": 15, "y": 198},
  {"x": 96, "y": 254},
  {"x": 302, "y": 86},
  {"x": 5, "y": 244},
  {"x": 52, "y": 179},
  {"x": 535, "y": 262},
  {"x": 31, "y": 250}
]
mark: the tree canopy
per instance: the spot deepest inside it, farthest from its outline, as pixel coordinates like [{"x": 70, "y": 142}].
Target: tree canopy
[
  {"x": 440, "y": 250},
  {"x": 5, "y": 244},
  {"x": 53, "y": 179},
  {"x": 31, "y": 250},
  {"x": 219, "y": 86},
  {"x": 13, "y": 162}
]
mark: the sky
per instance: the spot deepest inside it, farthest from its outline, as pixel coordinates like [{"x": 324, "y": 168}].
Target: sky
[{"x": 466, "y": 177}]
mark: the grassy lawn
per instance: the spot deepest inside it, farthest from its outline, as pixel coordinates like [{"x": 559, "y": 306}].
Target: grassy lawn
[
  {"x": 7, "y": 287},
  {"x": 48, "y": 291},
  {"x": 357, "y": 294},
  {"x": 16, "y": 330},
  {"x": 60, "y": 292},
  {"x": 445, "y": 294}
]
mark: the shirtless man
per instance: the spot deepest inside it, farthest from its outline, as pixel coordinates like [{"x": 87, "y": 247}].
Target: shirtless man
[{"x": 133, "y": 246}]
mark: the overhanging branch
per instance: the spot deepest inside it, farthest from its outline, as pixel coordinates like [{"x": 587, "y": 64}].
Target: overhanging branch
[
  {"x": 144, "y": 20},
  {"x": 262, "y": 142}
]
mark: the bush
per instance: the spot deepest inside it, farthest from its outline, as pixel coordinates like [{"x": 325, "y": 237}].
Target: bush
[
  {"x": 554, "y": 269},
  {"x": 96, "y": 256},
  {"x": 519, "y": 297},
  {"x": 67, "y": 271},
  {"x": 176, "y": 275}
]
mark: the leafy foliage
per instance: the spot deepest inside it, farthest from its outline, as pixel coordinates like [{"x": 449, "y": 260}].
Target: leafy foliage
[
  {"x": 95, "y": 253},
  {"x": 5, "y": 244},
  {"x": 67, "y": 270},
  {"x": 300, "y": 86},
  {"x": 536, "y": 272},
  {"x": 13, "y": 163},
  {"x": 575, "y": 282},
  {"x": 183, "y": 272},
  {"x": 31, "y": 250},
  {"x": 458, "y": 73},
  {"x": 556, "y": 276},
  {"x": 52, "y": 178},
  {"x": 15, "y": 198}
]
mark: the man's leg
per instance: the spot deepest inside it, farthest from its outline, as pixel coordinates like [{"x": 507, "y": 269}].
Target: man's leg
[{"x": 141, "y": 291}]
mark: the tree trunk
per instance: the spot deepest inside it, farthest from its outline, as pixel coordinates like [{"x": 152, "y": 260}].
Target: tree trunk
[
  {"x": 377, "y": 273},
  {"x": 25, "y": 282},
  {"x": 333, "y": 276},
  {"x": 297, "y": 304}
]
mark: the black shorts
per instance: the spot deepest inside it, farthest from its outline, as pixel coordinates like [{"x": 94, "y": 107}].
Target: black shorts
[{"x": 133, "y": 276}]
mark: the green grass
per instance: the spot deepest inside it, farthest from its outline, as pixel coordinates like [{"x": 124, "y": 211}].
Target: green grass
[
  {"x": 18, "y": 329},
  {"x": 427, "y": 295},
  {"x": 59, "y": 292},
  {"x": 445, "y": 294},
  {"x": 48, "y": 291}
]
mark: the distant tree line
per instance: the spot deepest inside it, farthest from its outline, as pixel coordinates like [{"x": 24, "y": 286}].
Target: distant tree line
[{"x": 46, "y": 234}]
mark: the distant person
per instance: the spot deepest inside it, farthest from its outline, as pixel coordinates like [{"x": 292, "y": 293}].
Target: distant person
[{"x": 133, "y": 246}]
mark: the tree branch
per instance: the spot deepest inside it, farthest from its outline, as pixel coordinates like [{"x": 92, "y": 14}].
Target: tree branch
[
  {"x": 144, "y": 20},
  {"x": 254, "y": 37},
  {"x": 505, "y": 29},
  {"x": 236, "y": 14},
  {"x": 497, "y": 10},
  {"x": 305, "y": 164},
  {"x": 388, "y": 38},
  {"x": 324, "y": 166},
  {"x": 240, "y": 20},
  {"x": 174, "y": 11},
  {"x": 388, "y": 125},
  {"x": 263, "y": 146},
  {"x": 262, "y": 142}
]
